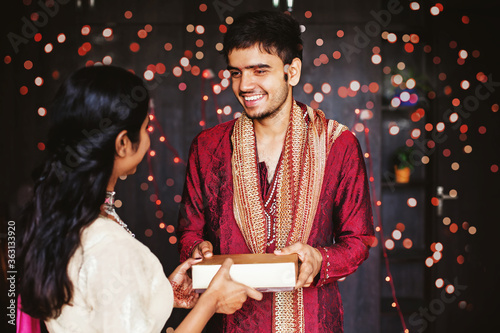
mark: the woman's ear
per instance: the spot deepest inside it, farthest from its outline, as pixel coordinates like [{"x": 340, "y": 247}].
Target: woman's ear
[
  {"x": 294, "y": 71},
  {"x": 122, "y": 143}
]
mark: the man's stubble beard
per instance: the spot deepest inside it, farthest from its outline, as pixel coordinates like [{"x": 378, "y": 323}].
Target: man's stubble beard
[{"x": 274, "y": 110}]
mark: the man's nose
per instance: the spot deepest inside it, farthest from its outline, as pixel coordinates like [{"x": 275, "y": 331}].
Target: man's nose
[{"x": 247, "y": 82}]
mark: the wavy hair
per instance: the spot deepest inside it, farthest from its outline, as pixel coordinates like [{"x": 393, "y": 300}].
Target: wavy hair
[
  {"x": 274, "y": 32},
  {"x": 90, "y": 109}
]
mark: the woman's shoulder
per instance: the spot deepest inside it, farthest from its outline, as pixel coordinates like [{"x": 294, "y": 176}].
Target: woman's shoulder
[
  {"x": 105, "y": 244},
  {"x": 105, "y": 231},
  {"x": 105, "y": 236}
]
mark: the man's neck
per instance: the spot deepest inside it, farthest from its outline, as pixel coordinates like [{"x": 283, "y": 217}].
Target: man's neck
[{"x": 270, "y": 136}]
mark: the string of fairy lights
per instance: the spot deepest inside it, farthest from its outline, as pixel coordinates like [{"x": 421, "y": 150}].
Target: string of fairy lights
[{"x": 214, "y": 83}]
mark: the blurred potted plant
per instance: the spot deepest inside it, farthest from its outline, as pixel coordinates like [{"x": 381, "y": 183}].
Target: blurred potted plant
[{"x": 403, "y": 164}]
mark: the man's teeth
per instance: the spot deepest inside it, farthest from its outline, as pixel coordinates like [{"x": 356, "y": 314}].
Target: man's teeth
[{"x": 253, "y": 98}]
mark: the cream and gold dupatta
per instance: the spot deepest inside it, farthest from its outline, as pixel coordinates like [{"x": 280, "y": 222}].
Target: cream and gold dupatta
[{"x": 300, "y": 179}]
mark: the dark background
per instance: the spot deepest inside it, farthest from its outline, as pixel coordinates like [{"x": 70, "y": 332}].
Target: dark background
[{"x": 367, "y": 296}]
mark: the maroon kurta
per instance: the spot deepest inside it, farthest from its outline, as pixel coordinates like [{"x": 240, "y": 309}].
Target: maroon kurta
[{"x": 342, "y": 227}]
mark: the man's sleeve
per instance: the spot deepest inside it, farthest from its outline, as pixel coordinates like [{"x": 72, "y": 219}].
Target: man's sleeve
[
  {"x": 191, "y": 214},
  {"x": 353, "y": 218}
]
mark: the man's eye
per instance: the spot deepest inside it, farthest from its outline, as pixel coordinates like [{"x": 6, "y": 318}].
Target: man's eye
[
  {"x": 235, "y": 74},
  {"x": 261, "y": 71}
]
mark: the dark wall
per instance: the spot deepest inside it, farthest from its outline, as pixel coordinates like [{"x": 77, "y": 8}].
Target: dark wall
[
  {"x": 337, "y": 24},
  {"x": 179, "y": 112}
]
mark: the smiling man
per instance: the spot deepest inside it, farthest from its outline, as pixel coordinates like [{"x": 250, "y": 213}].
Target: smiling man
[{"x": 280, "y": 179}]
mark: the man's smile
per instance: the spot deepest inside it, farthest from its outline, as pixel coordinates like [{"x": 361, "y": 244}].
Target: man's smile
[{"x": 253, "y": 97}]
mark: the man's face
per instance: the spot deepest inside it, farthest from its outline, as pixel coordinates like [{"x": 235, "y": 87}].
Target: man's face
[{"x": 258, "y": 80}]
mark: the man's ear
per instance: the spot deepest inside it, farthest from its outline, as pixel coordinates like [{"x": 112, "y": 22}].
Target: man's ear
[
  {"x": 121, "y": 143},
  {"x": 294, "y": 71}
]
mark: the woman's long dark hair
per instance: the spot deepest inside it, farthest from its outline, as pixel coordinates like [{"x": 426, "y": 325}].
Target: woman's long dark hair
[{"x": 91, "y": 108}]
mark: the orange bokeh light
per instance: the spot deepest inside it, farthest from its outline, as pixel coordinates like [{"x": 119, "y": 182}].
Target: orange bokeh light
[
  {"x": 134, "y": 47},
  {"x": 407, "y": 243}
]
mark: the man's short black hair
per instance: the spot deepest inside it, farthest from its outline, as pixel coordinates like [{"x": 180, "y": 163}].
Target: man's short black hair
[{"x": 275, "y": 32}]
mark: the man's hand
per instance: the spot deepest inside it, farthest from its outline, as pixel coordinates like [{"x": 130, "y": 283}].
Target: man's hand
[
  {"x": 203, "y": 250},
  {"x": 311, "y": 262}
]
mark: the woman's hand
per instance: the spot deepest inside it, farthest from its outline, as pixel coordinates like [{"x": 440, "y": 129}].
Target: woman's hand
[
  {"x": 184, "y": 296},
  {"x": 229, "y": 295},
  {"x": 223, "y": 295}
]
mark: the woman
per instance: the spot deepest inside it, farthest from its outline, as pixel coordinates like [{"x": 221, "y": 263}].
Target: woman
[{"x": 82, "y": 269}]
